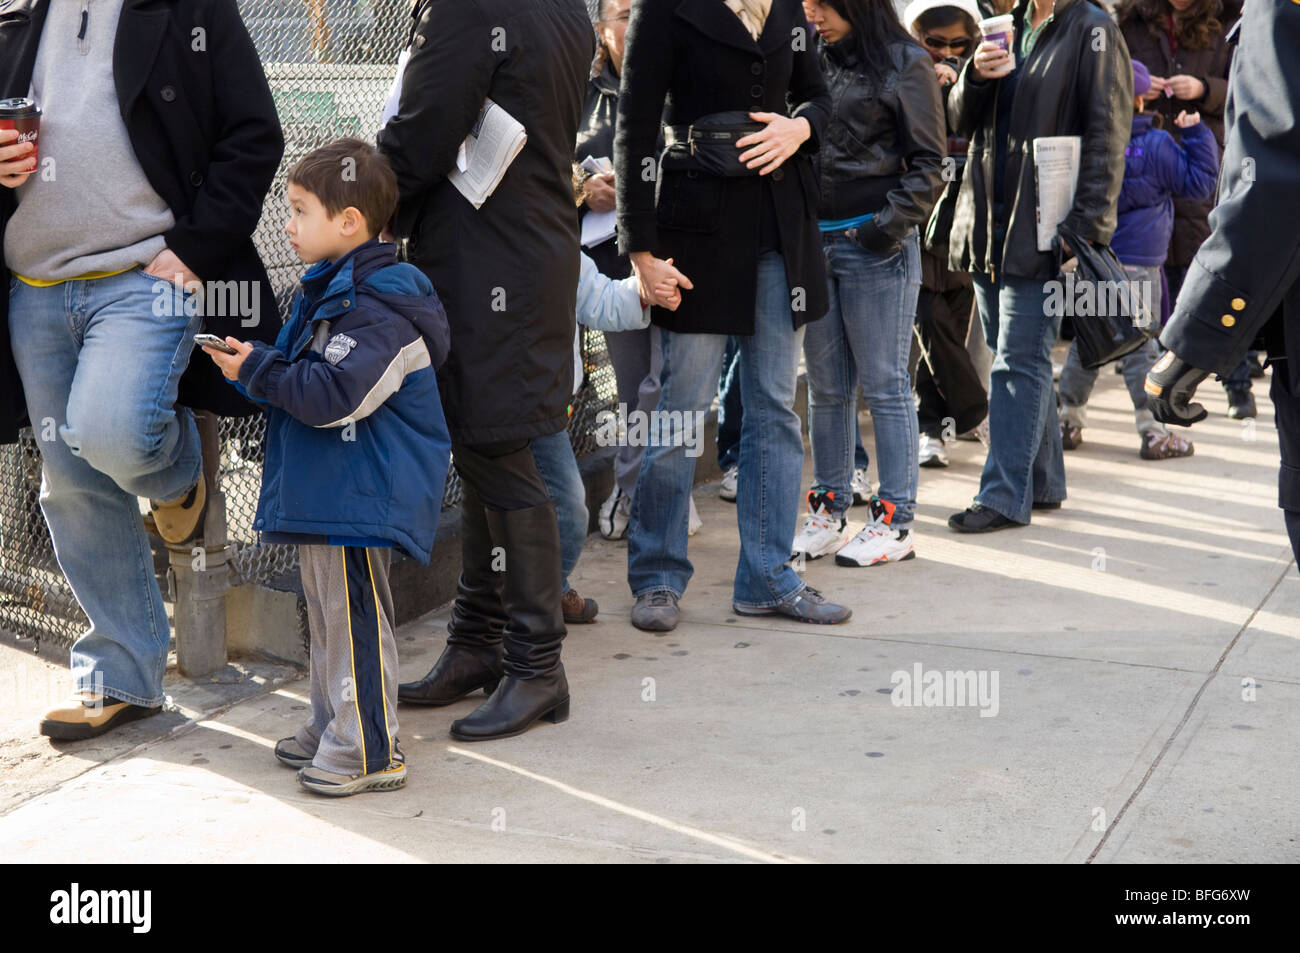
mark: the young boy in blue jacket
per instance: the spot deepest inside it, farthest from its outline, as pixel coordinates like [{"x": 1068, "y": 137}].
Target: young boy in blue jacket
[
  {"x": 357, "y": 452},
  {"x": 1156, "y": 170}
]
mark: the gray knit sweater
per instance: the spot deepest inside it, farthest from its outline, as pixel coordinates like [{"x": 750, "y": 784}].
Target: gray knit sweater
[{"x": 91, "y": 209}]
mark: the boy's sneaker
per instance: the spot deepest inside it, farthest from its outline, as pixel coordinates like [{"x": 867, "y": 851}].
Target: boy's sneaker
[
  {"x": 727, "y": 490},
  {"x": 693, "y": 522},
  {"x": 614, "y": 514},
  {"x": 861, "y": 486},
  {"x": 932, "y": 452},
  {"x": 291, "y": 754},
  {"x": 877, "y": 542},
  {"x": 341, "y": 785},
  {"x": 1071, "y": 435},
  {"x": 823, "y": 531}
]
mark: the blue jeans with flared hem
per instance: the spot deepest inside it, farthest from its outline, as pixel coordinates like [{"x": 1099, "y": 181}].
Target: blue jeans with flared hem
[
  {"x": 100, "y": 361},
  {"x": 1025, "y": 463},
  {"x": 770, "y": 461}
]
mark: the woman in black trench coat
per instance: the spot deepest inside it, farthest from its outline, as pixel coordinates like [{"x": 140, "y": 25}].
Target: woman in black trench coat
[{"x": 742, "y": 233}]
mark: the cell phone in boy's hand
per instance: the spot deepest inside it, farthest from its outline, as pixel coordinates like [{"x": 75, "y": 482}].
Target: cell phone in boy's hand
[{"x": 214, "y": 342}]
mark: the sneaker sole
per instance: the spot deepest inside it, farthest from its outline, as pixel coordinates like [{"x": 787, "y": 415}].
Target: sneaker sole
[
  {"x": 768, "y": 613},
  {"x": 832, "y": 547},
  {"x": 933, "y": 463},
  {"x": 370, "y": 782},
  {"x": 846, "y": 561}
]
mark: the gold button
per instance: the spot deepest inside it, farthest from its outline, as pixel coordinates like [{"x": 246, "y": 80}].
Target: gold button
[
  {"x": 1239, "y": 303},
  {"x": 1227, "y": 320}
]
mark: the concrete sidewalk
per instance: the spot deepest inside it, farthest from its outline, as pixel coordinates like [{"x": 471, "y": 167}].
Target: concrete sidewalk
[{"x": 1145, "y": 641}]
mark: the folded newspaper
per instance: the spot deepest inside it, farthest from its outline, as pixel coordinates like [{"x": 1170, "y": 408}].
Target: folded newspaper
[
  {"x": 1056, "y": 174},
  {"x": 486, "y": 153}
]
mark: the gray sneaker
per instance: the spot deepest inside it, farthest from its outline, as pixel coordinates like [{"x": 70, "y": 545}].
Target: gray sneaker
[
  {"x": 807, "y": 605},
  {"x": 655, "y": 611}
]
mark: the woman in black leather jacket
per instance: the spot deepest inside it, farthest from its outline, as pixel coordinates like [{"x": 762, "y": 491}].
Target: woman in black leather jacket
[
  {"x": 1072, "y": 76},
  {"x": 879, "y": 173}
]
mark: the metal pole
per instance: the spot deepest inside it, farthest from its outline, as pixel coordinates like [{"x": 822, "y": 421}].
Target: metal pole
[{"x": 199, "y": 574}]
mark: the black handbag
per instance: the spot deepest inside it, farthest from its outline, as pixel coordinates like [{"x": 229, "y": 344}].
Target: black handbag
[
  {"x": 711, "y": 141},
  {"x": 1118, "y": 320}
]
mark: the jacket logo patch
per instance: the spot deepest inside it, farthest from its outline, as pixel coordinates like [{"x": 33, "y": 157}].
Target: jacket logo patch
[{"x": 339, "y": 346}]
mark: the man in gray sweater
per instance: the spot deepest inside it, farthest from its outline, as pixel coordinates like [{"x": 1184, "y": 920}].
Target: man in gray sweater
[{"x": 101, "y": 240}]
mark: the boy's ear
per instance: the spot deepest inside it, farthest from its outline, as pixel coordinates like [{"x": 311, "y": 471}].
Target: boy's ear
[{"x": 353, "y": 221}]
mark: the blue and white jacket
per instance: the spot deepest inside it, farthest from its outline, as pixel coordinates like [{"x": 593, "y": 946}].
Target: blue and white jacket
[
  {"x": 606, "y": 304},
  {"x": 357, "y": 449}
]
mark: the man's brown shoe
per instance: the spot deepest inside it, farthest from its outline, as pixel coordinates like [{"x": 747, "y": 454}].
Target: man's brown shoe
[
  {"x": 88, "y": 719},
  {"x": 178, "y": 520},
  {"x": 577, "y": 609}
]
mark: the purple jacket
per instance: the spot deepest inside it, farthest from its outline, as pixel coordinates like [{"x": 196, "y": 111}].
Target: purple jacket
[{"x": 1156, "y": 169}]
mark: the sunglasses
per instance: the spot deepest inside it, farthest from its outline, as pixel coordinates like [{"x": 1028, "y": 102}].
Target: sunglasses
[{"x": 941, "y": 43}]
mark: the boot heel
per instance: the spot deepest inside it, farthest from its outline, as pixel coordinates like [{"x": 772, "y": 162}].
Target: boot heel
[{"x": 558, "y": 714}]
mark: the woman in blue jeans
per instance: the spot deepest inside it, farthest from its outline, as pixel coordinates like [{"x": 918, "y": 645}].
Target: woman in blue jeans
[
  {"x": 880, "y": 171},
  {"x": 1065, "y": 72}
]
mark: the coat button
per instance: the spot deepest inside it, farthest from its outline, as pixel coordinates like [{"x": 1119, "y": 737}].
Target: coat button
[
  {"x": 347, "y": 303},
  {"x": 1238, "y": 304},
  {"x": 1227, "y": 320},
  {"x": 778, "y": 175},
  {"x": 756, "y": 91},
  {"x": 756, "y": 69},
  {"x": 167, "y": 93},
  {"x": 196, "y": 179}
]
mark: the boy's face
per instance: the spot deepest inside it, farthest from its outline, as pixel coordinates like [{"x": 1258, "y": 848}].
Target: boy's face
[{"x": 314, "y": 234}]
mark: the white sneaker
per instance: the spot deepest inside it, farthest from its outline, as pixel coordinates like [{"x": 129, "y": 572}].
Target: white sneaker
[
  {"x": 822, "y": 531},
  {"x": 861, "y": 486},
  {"x": 727, "y": 490},
  {"x": 877, "y": 542},
  {"x": 932, "y": 451},
  {"x": 614, "y": 514},
  {"x": 695, "y": 523}
]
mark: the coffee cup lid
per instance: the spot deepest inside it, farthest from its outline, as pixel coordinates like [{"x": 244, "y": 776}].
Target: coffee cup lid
[
  {"x": 20, "y": 106},
  {"x": 994, "y": 24}
]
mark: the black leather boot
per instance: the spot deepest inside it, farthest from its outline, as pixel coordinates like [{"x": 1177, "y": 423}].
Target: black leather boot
[
  {"x": 473, "y": 656},
  {"x": 534, "y": 686}
]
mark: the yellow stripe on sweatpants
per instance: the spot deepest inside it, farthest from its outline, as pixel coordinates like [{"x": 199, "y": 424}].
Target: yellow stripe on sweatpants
[{"x": 379, "y": 638}]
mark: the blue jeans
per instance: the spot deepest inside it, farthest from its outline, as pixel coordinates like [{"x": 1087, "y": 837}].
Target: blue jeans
[
  {"x": 1025, "y": 463},
  {"x": 100, "y": 367},
  {"x": 864, "y": 340},
  {"x": 771, "y": 454},
  {"x": 559, "y": 469}
]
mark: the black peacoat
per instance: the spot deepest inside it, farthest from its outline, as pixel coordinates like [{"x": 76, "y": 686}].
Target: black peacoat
[
  {"x": 204, "y": 128},
  {"x": 697, "y": 57},
  {"x": 507, "y": 273}
]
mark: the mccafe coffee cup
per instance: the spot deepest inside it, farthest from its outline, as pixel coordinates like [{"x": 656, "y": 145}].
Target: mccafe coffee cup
[
  {"x": 999, "y": 32},
  {"x": 25, "y": 116}
]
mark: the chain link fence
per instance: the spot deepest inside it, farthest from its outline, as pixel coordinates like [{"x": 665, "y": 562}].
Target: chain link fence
[{"x": 330, "y": 64}]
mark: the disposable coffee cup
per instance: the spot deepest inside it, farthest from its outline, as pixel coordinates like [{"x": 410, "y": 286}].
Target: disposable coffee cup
[
  {"x": 1000, "y": 32},
  {"x": 25, "y": 116}
]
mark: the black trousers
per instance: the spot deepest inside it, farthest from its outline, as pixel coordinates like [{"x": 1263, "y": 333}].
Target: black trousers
[
  {"x": 1286, "y": 405},
  {"x": 947, "y": 384},
  {"x": 503, "y": 475}
]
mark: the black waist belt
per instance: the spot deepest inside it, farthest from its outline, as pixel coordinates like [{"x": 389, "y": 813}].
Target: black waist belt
[{"x": 712, "y": 140}]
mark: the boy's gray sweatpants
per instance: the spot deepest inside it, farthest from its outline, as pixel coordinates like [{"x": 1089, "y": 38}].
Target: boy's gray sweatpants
[{"x": 353, "y": 726}]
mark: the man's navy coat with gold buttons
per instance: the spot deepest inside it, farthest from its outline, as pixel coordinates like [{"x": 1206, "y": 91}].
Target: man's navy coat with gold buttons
[{"x": 1248, "y": 271}]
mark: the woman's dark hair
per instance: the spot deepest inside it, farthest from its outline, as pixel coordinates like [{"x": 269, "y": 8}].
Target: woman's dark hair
[
  {"x": 1196, "y": 28},
  {"x": 938, "y": 18},
  {"x": 874, "y": 23}
]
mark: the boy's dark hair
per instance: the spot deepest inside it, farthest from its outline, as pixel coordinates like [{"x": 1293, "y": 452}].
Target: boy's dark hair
[{"x": 350, "y": 172}]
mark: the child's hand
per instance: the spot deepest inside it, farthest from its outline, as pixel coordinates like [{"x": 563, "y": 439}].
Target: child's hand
[
  {"x": 1186, "y": 119},
  {"x": 231, "y": 363}
]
